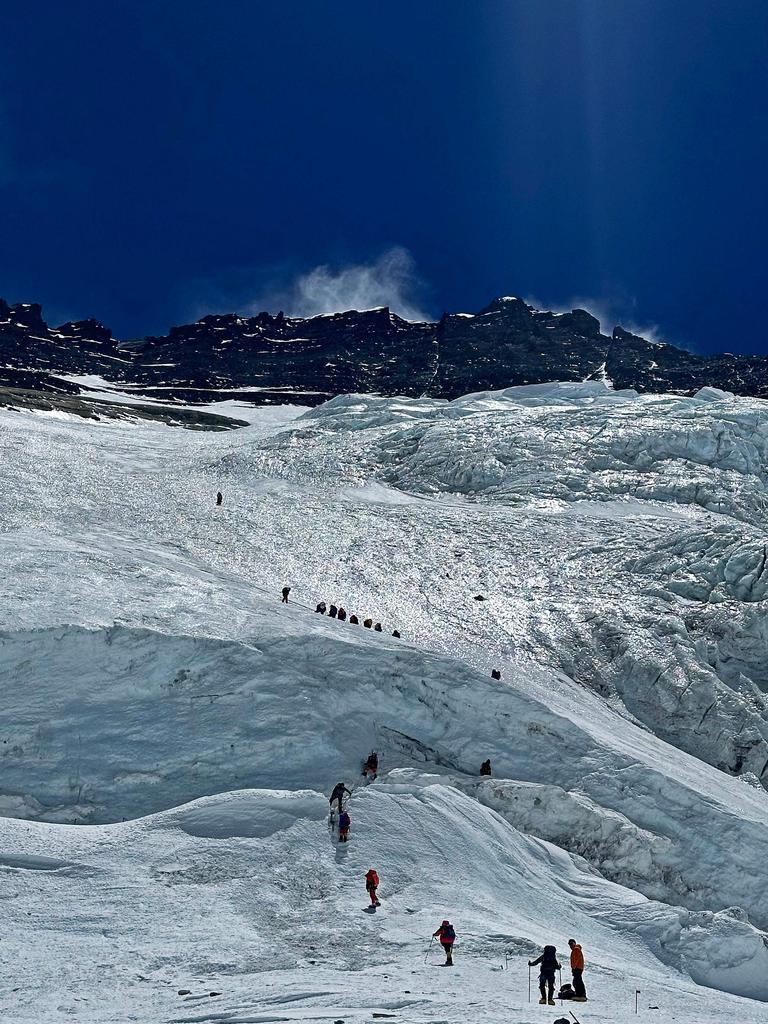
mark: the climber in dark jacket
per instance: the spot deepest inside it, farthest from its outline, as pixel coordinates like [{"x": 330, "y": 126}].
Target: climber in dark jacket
[
  {"x": 338, "y": 795},
  {"x": 485, "y": 767},
  {"x": 549, "y": 964},
  {"x": 371, "y": 765},
  {"x": 321, "y": 608},
  {"x": 341, "y": 616}
]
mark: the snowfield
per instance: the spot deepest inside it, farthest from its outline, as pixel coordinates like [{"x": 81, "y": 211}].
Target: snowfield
[{"x": 170, "y": 731}]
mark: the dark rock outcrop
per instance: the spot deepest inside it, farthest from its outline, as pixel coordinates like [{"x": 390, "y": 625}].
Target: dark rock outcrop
[{"x": 270, "y": 359}]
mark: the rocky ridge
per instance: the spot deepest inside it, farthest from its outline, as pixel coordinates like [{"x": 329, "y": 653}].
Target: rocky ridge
[{"x": 273, "y": 359}]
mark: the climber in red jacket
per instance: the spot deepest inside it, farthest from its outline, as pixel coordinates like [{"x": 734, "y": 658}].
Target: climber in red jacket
[{"x": 372, "y": 884}]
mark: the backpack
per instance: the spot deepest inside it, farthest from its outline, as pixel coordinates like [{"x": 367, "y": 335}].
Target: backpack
[
  {"x": 549, "y": 959},
  {"x": 566, "y": 991},
  {"x": 448, "y": 934}
]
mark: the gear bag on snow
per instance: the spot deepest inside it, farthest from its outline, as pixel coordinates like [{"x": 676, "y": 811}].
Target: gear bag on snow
[{"x": 566, "y": 991}]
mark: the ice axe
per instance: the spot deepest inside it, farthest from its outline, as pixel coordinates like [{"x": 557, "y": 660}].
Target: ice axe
[
  {"x": 429, "y": 947},
  {"x": 574, "y": 1017}
]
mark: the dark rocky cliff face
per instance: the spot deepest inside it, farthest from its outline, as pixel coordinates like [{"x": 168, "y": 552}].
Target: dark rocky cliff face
[{"x": 274, "y": 358}]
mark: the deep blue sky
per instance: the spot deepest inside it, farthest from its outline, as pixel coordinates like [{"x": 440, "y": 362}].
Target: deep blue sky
[{"x": 160, "y": 159}]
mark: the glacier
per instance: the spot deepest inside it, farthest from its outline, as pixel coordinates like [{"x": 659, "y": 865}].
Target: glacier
[{"x": 170, "y": 731}]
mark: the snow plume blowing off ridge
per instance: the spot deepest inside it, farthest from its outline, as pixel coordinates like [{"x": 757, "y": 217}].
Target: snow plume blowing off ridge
[{"x": 388, "y": 281}]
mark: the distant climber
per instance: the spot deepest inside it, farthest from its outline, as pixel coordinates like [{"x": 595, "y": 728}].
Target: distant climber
[
  {"x": 354, "y": 620},
  {"x": 396, "y": 633},
  {"x": 371, "y": 885},
  {"x": 377, "y": 627},
  {"x": 479, "y": 597},
  {"x": 549, "y": 965},
  {"x": 321, "y": 608},
  {"x": 286, "y": 592},
  {"x": 333, "y": 611},
  {"x": 371, "y": 765},
  {"x": 219, "y": 497},
  {"x": 338, "y": 794},
  {"x": 447, "y": 938},
  {"x": 485, "y": 767},
  {"x": 495, "y": 674},
  {"x": 344, "y": 822},
  {"x": 368, "y": 623},
  {"x": 577, "y": 969},
  {"x": 341, "y": 615}
]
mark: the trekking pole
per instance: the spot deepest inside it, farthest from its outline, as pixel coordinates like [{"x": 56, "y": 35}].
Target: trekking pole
[
  {"x": 429, "y": 948},
  {"x": 560, "y": 972},
  {"x": 637, "y": 995},
  {"x": 529, "y": 983}
]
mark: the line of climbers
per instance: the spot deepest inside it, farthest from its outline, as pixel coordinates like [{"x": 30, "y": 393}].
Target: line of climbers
[
  {"x": 340, "y": 613},
  {"x": 337, "y": 612}
]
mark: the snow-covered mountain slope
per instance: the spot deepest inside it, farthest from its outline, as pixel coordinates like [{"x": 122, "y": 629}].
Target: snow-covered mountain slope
[
  {"x": 243, "y": 908},
  {"x": 147, "y": 662}
]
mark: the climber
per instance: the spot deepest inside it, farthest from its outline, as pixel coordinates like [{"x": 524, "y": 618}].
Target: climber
[
  {"x": 219, "y": 497},
  {"x": 485, "y": 767},
  {"x": 396, "y": 633},
  {"x": 495, "y": 674},
  {"x": 577, "y": 969},
  {"x": 286, "y": 592},
  {"x": 371, "y": 765},
  {"x": 338, "y": 794},
  {"x": 549, "y": 965},
  {"x": 447, "y": 939},
  {"x": 368, "y": 623},
  {"x": 333, "y": 611},
  {"x": 321, "y": 608},
  {"x": 344, "y": 823},
  {"x": 377, "y": 627},
  {"x": 371, "y": 885},
  {"x": 354, "y": 620},
  {"x": 341, "y": 616}
]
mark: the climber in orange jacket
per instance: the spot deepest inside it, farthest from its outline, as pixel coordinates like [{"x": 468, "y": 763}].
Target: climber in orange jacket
[{"x": 577, "y": 969}]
